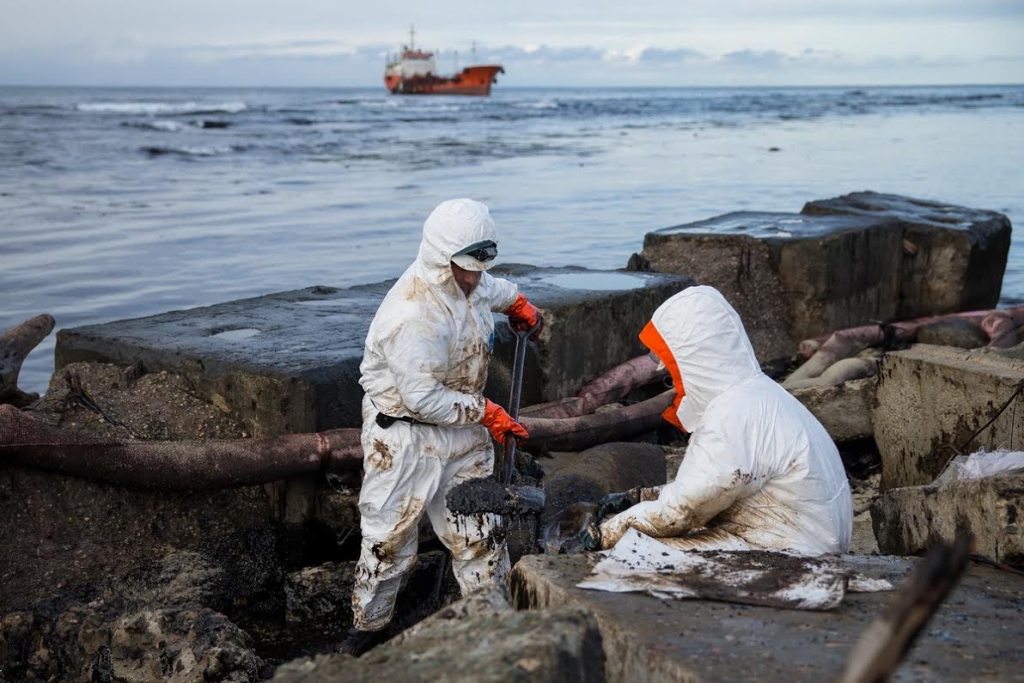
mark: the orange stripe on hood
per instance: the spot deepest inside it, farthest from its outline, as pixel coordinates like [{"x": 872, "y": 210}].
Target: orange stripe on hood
[{"x": 653, "y": 340}]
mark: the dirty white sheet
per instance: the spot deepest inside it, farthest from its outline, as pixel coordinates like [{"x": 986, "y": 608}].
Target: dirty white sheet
[
  {"x": 639, "y": 563},
  {"x": 981, "y": 464}
]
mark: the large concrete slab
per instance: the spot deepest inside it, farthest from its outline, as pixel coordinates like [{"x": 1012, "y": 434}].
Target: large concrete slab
[
  {"x": 953, "y": 256},
  {"x": 789, "y": 276},
  {"x": 976, "y": 635},
  {"x": 931, "y": 399},
  {"x": 289, "y": 362},
  {"x": 909, "y": 520}
]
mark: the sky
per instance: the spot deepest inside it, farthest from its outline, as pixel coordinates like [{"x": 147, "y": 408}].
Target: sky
[{"x": 539, "y": 42}]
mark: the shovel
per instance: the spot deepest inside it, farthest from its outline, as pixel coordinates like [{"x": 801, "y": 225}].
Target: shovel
[{"x": 500, "y": 495}]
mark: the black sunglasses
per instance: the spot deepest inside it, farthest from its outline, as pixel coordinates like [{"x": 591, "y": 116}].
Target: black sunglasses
[{"x": 485, "y": 252}]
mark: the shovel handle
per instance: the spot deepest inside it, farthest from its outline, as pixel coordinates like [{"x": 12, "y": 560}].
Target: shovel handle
[{"x": 505, "y": 471}]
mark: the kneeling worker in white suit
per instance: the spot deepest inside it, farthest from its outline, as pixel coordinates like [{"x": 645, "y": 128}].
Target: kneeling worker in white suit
[
  {"x": 760, "y": 472},
  {"x": 426, "y": 424}
]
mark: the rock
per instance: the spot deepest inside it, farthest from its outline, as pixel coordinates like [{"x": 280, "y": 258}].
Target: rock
[
  {"x": 789, "y": 276},
  {"x": 843, "y": 409},
  {"x": 953, "y": 257},
  {"x": 487, "y": 601},
  {"x": 652, "y": 640},
  {"x": 932, "y": 399},
  {"x": 60, "y": 532},
  {"x": 289, "y": 362},
  {"x": 15, "y": 345},
  {"x": 102, "y": 641},
  {"x": 553, "y": 646},
  {"x": 321, "y": 594},
  {"x": 907, "y": 521}
]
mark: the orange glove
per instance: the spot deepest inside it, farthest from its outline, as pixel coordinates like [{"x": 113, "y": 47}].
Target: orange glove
[
  {"x": 500, "y": 423},
  {"x": 523, "y": 315}
]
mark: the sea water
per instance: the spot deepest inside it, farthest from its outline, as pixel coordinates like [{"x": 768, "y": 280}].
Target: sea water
[{"x": 120, "y": 203}]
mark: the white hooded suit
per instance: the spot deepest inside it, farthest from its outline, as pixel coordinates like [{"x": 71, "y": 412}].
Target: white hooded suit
[
  {"x": 426, "y": 358},
  {"x": 760, "y": 472}
]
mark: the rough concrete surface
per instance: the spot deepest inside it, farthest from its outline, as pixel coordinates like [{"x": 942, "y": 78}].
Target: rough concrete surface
[
  {"x": 909, "y": 520},
  {"x": 289, "y": 362},
  {"x": 843, "y": 409},
  {"x": 931, "y": 399},
  {"x": 789, "y": 276},
  {"x": 953, "y": 256},
  {"x": 976, "y": 635},
  {"x": 558, "y": 645}
]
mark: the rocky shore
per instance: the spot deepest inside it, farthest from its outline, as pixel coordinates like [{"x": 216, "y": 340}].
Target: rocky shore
[{"x": 159, "y": 581}]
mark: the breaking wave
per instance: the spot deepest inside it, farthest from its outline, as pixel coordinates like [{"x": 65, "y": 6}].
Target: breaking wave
[
  {"x": 154, "y": 108},
  {"x": 153, "y": 151}
]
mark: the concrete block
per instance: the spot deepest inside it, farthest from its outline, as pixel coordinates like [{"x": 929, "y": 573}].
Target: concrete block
[
  {"x": 953, "y": 257},
  {"x": 556, "y": 646},
  {"x": 907, "y": 521},
  {"x": 289, "y": 362},
  {"x": 931, "y": 399},
  {"x": 647, "y": 640},
  {"x": 843, "y": 409},
  {"x": 59, "y": 532},
  {"x": 789, "y": 276}
]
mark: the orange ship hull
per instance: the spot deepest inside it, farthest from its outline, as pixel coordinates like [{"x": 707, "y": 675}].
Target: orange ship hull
[{"x": 473, "y": 80}]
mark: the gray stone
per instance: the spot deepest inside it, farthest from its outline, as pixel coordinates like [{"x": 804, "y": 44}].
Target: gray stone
[
  {"x": 97, "y": 641},
  {"x": 320, "y": 594},
  {"x": 289, "y": 362},
  {"x": 843, "y": 409},
  {"x": 931, "y": 399},
  {"x": 650, "y": 640},
  {"x": 487, "y": 601},
  {"x": 789, "y": 276},
  {"x": 953, "y": 257},
  {"x": 907, "y": 521},
  {"x": 560, "y": 645}
]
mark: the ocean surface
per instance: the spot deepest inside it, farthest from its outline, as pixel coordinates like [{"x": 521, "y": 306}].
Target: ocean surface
[{"x": 120, "y": 203}]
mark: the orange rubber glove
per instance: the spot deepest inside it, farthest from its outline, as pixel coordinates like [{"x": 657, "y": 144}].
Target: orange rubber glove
[
  {"x": 523, "y": 315},
  {"x": 500, "y": 423}
]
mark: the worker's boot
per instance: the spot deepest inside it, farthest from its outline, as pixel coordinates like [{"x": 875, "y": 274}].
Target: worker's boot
[{"x": 358, "y": 641}]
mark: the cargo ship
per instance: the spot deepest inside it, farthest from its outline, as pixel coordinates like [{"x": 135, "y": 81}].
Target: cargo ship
[{"x": 413, "y": 72}]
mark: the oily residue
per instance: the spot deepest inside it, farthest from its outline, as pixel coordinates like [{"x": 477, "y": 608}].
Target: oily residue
[
  {"x": 481, "y": 495},
  {"x": 381, "y": 457},
  {"x": 403, "y": 535}
]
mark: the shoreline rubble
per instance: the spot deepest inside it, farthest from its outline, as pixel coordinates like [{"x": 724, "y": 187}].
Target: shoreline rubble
[{"x": 238, "y": 580}]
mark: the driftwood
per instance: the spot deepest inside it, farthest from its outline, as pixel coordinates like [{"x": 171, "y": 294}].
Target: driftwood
[
  {"x": 15, "y": 345},
  {"x": 882, "y": 645},
  {"x": 999, "y": 325}
]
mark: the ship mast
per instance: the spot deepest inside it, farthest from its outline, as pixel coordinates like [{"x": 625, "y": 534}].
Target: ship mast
[{"x": 412, "y": 37}]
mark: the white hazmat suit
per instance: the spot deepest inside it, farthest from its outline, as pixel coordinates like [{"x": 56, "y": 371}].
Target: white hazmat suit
[
  {"x": 426, "y": 360},
  {"x": 760, "y": 472}
]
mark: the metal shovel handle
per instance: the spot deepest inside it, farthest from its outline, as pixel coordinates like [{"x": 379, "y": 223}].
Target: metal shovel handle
[{"x": 515, "y": 397}]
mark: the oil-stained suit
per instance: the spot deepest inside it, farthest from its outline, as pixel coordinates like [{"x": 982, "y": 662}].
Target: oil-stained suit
[
  {"x": 425, "y": 363},
  {"x": 760, "y": 472}
]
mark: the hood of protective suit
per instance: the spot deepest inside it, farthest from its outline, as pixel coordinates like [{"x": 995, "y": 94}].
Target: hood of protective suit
[
  {"x": 450, "y": 228},
  {"x": 700, "y": 339}
]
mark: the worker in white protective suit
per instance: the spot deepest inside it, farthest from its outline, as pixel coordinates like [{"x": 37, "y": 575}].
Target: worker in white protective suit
[
  {"x": 426, "y": 424},
  {"x": 760, "y": 472}
]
